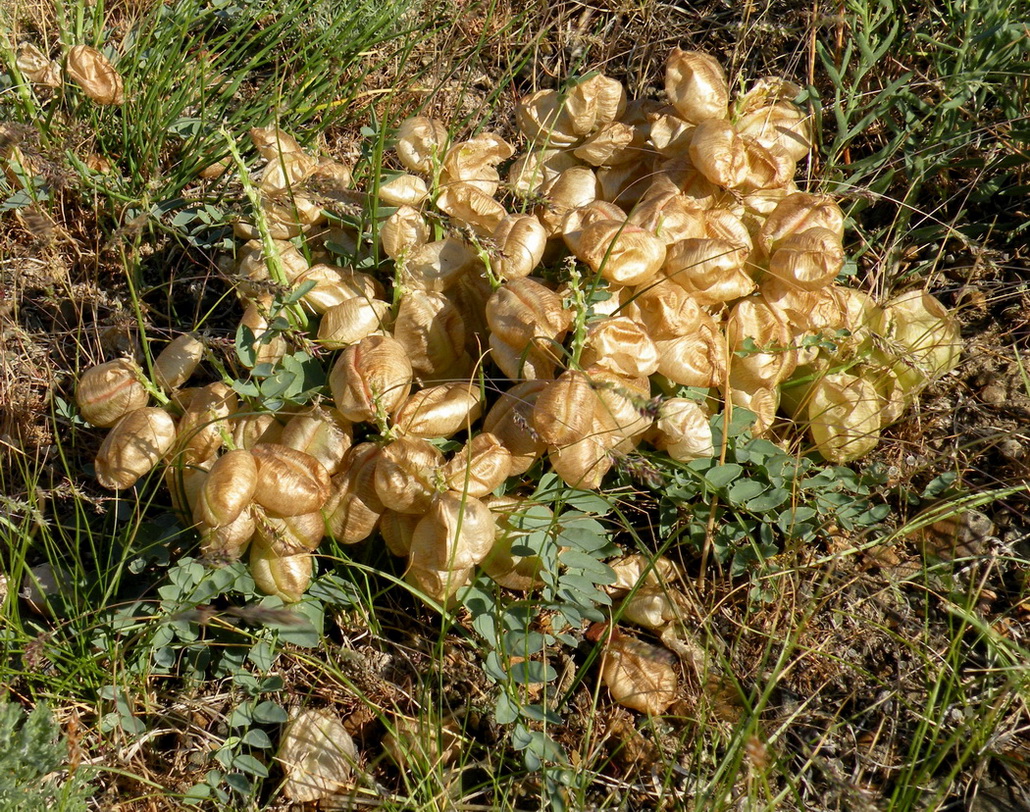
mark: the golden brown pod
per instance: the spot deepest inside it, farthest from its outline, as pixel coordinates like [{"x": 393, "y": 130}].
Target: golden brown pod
[
  {"x": 639, "y": 676},
  {"x": 670, "y": 216},
  {"x": 610, "y": 145},
  {"x": 133, "y": 447},
  {"x": 184, "y": 483},
  {"x": 403, "y": 231},
  {"x": 441, "y": 410},
  {"x": 438, "y": 265},
  {"x": 564, "y": 410},
  {"x": 470, "y": 206},
  {"x": 510, "y": 420},
  {"x": 545, "y": 122},
  {"x": 479, "y": 467},
  {"x": 269, "y": 346},
  {"x": 665, "y": 309},
  {"x": 421, "y": 143},
  {"x": 584, "y": 463},
  {"x": 536, "y": 359},
  {"x": 403, "y": 190},
  {"x": 652, "y": 607},
  {"x": 622, "y": 253},
  {"x": 928, "y": 338},
  {"x": 228, "y": 489},
  {"x": 683, "y": 430},
  {"x": 442, "y": 587},
  {"x": 523, "y": 309},
  {"x": 572, "y": 188},
  {"x": 36, "y": 67},
  {"x": 843, "y": 416},
  {"x": 594, "y": 102},
  {"x": 473, "y": 163},
  {"x": 205, "y": 422},
  {"x": 251, "y": 429},
  {"x": 350, "y": 321},
  {"x": 670, "y": 135},
  {"x": 286, "y": 577},
  {"x": 530, "y": 172},
  {"x": 229, "y": 542},
  {"x": 371, "y": 378},
  {"x": 431, "y": 331},
  {"x": 272, "y": 142},
  {"x": 637, "y": 570},
  {"x": 94, "y": 73},
  {"x": 323, "y": 433},
  {"x": 578, "y": 219},
  {"x": 622, "y": 411},
  {"x": 253, "y": 277},
  {"x": 354, "y": 507},
  {"x": 289, "y": 535},
  {"x": 290, "y": 482},
  {"x": 621, "y": 345},
  {"x": 712, "y": 271},
  {"x": 317, "y": 755},
  {"x": 456, "y": 532},
  {"x": 697, "y": 86},
  {"x": 768, "y": 167},
  {"x": 108, "y": 392},
  {"x": 719, "y": 153},
  {"x": 763, "y": 401},
  {"x": 407, "y": 473},
  {"x": 178, "y": 361},
  {"x": 520, "y": 241},
  {"x": 779, "y": 124},
  {"x": 795, "y": 213},
  {"x": 333, "y": 286},
  {"x": 773, "y": 360},
  {"x": 397, "y": 530},
  {"x": 809, "y": 259}
]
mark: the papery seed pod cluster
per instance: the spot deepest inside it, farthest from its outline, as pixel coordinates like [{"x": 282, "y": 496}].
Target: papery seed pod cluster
[{"x": 447, "y": 319}]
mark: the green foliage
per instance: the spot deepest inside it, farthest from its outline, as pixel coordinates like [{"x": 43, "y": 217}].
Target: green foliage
[{"x": 32, "y": 759}]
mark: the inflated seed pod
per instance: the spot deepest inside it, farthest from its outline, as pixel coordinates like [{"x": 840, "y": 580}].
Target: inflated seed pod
[
  {"x": 289, "y": 535},
  {"x": 523, "y": 309},
  {"x": 713, "y": 271},
  {"x": 474, "y": 163},
  {"x": 638, "y": 675},
  {"x": 441, "y": 410},
  {"x": 697, "y": 86},
  {"x": 431, "y": 331},
  {"x": 545, "y": 122},
  {"x": 625, "y": 184},
  {"x": 572, "y": 188},
  {"x": 421, "y": 143},
  {"x": 697, "y": 359},
  {"x": 441, "y": 586},
  {"x": 286, "y": 577},
  {"x": 578, "y": 219},
  {"x": 795, "y": 213},
  {"x": 108, "y": 392},
  {"x": 564, "y": 410},
  {"x": 719, "y": 153},
  {"x": 520, "y": 241},
  {"x": 35, "y": 66},
  {"x": 529, "y": 173},
  {"x": 403, "y": 190},
  {"x": 843, "y": 416},
  {"x": 253, "y": 276},
  {"x": 354, "y": 507},
  {"x": 350, "y": 321},
  {"x": 406, "y": 474},
  {"x": 594, "y": 103},
  {"x": 623, "y": 408},
  {"x": 290, "y": 482},
  {"x": 621, "y": 345},
  {"x": 929, "y": 339},
  {"x": 536, "y": 359},
  {"x": 470, "y": 206},
  {"x": 133, "y": 447},
  {"x": 670, "y": 135},
  {"x": 94, "y": 73},
  {"x": 370, "y": 378},
  {"x": 651, "y": 607},
  {"x": 397, "y": 530},
  {"x": 439, "y": 265},
  {"x": 516, "y": 519},
  {"x": 644, "y": 570},
  {"x": 665, "y": 309},
  {"x": 251, "y": 429},
  {"x": 184, "y": 483},
  {"x": 229, "y": 542},
  {"x": 205, "y": 422},
  {"x": 584, "y": 463},
  {"x": 622, "y": 253},
  {"x": 228, "y": 489},
  {"x": 781, "y": 124},
  {"x": 332, "y": 287},
  {"x": 456, "y": 532},
  {"x": 762, "y": 400},
  {"x": 177, "y": 361},
  {"x": 269, "y": 346},
  {"x": 323, "y": 433},
  {"x": 670, "y": 216},
  {"x": 774, "y": 360},
  {"x": 510, "y": 420},
  {"x": 479, "y": 467},
  {"x": 609, "y": 146},
  {"x": 768, "y": 167},
  {"x": 681, "y": 176},
  {"x": 809, "y": 259},
  {"x": 403, "y": 231},
  {"x": 683, "y": 430}
]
